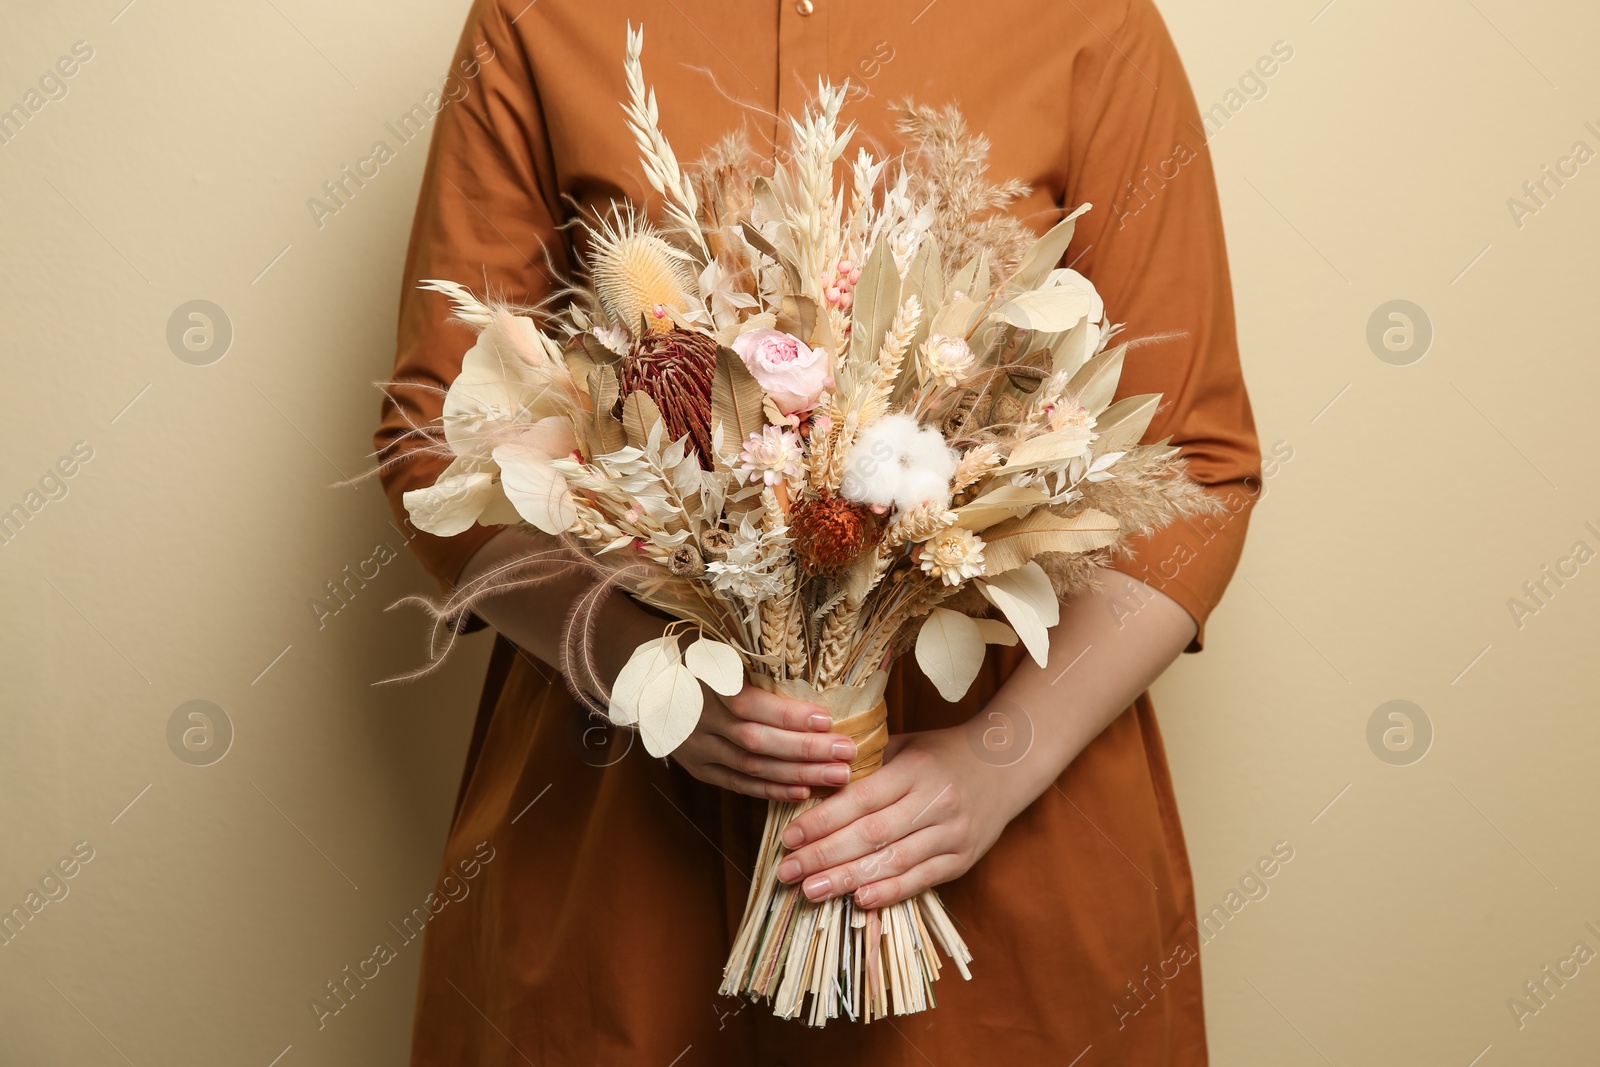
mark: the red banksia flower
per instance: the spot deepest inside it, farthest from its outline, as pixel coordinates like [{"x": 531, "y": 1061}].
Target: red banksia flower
[
  {"x": 675, "y": 369},
  {"x": 830, "y": 533}
]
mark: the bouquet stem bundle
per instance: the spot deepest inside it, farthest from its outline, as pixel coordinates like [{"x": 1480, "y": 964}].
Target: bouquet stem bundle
[{"x": 861, "y": 963}]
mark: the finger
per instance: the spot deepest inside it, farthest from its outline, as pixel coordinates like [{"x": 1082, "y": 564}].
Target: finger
[
  {"x": 789, "y": 744},
  {"x": 790, "y": 772},
  {"x": 875, "y": 791},
  {"x": 725, "y": 777},
  {"x": 890, "y": 861},
  {"x": 935, "y": 870},
  {"x": 874, "y": 830},
  {"x": 758, "y": 705}
]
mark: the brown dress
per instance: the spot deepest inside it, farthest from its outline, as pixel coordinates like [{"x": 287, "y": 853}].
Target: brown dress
[{"x": 596, "y": 931}]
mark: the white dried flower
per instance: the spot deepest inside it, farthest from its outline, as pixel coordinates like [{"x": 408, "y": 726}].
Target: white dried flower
[
  {"x": 953, "y": 555},
  {"x": 946, "y": 359},
  {"x": 771, "y": 455},
  {"x": 614, "y": 338},
  {"x": 750, "y": 570},
  {"x": 895, "y": 462}
]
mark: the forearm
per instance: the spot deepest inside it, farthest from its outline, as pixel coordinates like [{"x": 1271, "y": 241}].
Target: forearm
[
  {"x": 534, "y": 617},
  {"x": 1110, "y": 645},
  {"x": 935, "y": 808}
]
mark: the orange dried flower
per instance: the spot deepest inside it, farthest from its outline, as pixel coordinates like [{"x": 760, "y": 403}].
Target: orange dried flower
[{"x": 830, "y": 533}]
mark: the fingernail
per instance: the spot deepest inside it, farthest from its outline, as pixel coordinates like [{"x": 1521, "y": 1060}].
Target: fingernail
[
  {"x": 845, "y": 750},
  {"x": 865, "y": 897},
  {"x": 794, "y": 837},
  {"x": 836, "y": 774},
  {"x": 818, "y": 887},
  {"x": 788, "y": 870},
  {"x": 821, "y": 723}
]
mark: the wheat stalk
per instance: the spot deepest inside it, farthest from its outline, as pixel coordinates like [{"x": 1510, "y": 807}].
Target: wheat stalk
[
  {"x": 836, "y": 643},
  {"x": 818, "y": 143},
  {"x": 891, "y": 355},
  {"x": 974, "y": 465},
  {"x": 660, "y": 163},
  {"x": 917, "y": 524}
]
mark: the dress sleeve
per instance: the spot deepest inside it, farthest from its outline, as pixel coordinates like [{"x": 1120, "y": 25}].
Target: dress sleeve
[
  {"x": 485, "y": 218},
  {"x": 1153, "y": 246}
]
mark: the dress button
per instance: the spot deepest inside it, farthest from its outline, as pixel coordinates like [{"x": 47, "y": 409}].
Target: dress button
[{"x": 805, "y": 7}]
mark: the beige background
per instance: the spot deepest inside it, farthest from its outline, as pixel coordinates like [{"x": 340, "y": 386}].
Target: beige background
[{"x": 183, "y": 559}]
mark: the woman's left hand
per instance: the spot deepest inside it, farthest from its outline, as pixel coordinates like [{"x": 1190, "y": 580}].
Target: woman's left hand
[{"x": 926, "y": 816}]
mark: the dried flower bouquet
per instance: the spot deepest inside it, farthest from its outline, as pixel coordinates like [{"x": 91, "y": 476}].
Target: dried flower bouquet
[{"x": 822, "y": 413}]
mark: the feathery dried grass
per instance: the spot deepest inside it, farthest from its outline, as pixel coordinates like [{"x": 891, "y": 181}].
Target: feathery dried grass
[{"x": 968, "y": 208}]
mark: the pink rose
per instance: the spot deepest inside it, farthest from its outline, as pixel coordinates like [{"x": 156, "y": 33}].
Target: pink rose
[{"x": 791, "y": 373}]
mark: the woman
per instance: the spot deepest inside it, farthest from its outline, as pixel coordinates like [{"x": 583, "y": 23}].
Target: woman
[{"x": 1041, "y": 805}]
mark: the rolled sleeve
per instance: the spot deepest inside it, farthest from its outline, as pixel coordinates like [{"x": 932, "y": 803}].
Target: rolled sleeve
[
  {"x": 1154, "y": 247},
  {"x": 485, "y": 218}
]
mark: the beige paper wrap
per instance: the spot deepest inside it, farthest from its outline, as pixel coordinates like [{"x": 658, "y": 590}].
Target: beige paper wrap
[{"x": 856, "y": 710}]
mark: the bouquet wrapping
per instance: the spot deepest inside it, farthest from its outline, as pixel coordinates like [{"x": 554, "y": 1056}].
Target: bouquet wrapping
[{"x": 822, "y": 412}]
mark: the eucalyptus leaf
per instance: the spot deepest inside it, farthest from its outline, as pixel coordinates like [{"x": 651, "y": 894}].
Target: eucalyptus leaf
[
  {"x": 1028, "y": 600},
  {"x": 646, "y": 664},
  {"x": 669, "y": 708},
  {"x": 1051, "y": 309},
  {"x": 996, "y": 632},
  {"x": 950, "y": 652},
  {"x": 717, "y": 664}
]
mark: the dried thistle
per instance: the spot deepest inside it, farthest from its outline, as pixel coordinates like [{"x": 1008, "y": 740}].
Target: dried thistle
[{"x": 636, "y": 273}]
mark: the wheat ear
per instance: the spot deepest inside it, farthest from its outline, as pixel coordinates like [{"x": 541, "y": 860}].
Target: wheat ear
[{"x": 660, "y": 163}]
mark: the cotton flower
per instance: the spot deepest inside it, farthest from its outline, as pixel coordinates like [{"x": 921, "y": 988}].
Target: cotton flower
[
  {"x": 895, "y": 462},
  {"x": 792, "y": 373},
  {"x": 953, "y": 555},
  {"x": 771, "y": 455},
  {"x": 947, "y": 360}
]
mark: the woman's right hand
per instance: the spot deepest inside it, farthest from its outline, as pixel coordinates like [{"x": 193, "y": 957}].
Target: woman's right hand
[
  {"x": 755, "y": 743},
  {"x": 766, "y": 746}
]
